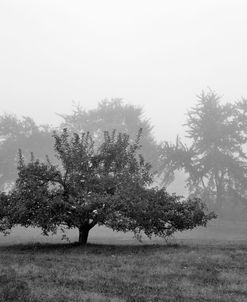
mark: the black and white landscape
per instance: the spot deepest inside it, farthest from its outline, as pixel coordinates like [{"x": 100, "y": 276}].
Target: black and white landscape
[{"x": 123, "y": 151}]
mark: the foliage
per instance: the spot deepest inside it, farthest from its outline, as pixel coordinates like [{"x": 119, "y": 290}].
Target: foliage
[
  {"x": 215, "y": 161},
  {"x": 26, "y": 135},
  {"x": 5, "y": 206},
  {"x": 20, "y": 133},
  {"x": 115, "y": 115},
  {"x": 108, "y": 185}
]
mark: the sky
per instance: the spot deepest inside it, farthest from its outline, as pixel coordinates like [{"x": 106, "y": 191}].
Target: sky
[{"x": 155, "y": 54}]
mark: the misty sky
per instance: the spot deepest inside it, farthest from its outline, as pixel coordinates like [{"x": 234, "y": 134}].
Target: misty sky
[{"x": 158, "y": 54}]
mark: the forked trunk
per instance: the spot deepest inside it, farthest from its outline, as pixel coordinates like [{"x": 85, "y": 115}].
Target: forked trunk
[{"x": 83, "y": 235}]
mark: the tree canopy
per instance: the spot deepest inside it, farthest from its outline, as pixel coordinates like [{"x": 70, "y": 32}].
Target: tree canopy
[
  {"x": 105, "y": 185},
  {"x": 216, "y": 159},
  {"x": 115, "y": 114},
  {"x": 25, "y": 134}
]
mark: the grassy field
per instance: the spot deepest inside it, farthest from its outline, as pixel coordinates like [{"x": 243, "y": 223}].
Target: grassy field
[{"x": 189, "y": 270}]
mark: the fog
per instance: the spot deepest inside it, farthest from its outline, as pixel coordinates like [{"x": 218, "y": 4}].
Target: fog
[{"x": 155, "y": 54}]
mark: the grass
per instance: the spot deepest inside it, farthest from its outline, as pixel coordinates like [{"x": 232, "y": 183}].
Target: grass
[{"x": 186, "y": 271}]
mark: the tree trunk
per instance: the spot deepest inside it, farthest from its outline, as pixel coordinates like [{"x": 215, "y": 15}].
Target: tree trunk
[{"x": 83, "y": 235}]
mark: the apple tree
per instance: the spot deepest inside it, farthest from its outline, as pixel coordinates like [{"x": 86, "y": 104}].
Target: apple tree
[{"x": 108, "y": 185}]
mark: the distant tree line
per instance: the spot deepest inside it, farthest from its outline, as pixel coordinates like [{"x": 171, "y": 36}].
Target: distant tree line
[{"x": 23, "y": 133}]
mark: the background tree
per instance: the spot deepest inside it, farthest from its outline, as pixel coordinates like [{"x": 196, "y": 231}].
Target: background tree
[
  {"x": 115, "y": 114},
  {"x": 25, "y": 134},
  {"x": 215, "y": 161},
  {"x": 108, "y": 185},
  {"x": 20, "y": 133}
]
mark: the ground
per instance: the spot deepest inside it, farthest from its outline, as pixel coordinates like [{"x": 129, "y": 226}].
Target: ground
[
  {"x": 188, "y": 270},
  {"x": 202, "y": 265}
]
